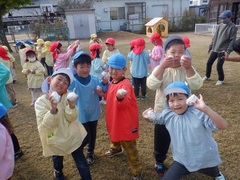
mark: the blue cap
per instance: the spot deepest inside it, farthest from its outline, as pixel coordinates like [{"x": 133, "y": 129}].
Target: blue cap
[
  {"x": 177, "y": 87},
  {"x": 3, "y": 110},
  {"x": 117, "y": 61},
  {"x": 226, "y": 14}
]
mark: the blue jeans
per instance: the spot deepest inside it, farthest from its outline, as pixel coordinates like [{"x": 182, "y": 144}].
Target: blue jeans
[
  {"x": 80, "y": 161},
  {"x": 177, "y": 170}
]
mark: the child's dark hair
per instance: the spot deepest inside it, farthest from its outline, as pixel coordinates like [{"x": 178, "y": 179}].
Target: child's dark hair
[
  {"x": 30, "y": 52},
  {"x": 5, "y": 121},
  {"x": 98, "y": 53},
  {"x": 22, "y": 46},
  {"x": 174, "y": 94},
  {"x": 82, "y": 60},
  {"x": 59, "y": 46},
  {"x": 62, "y": 74},
  {"x": 175, "y": 42}
]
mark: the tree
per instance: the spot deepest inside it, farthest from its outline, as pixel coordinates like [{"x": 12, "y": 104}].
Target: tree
[{"x": 5, "y": 7}]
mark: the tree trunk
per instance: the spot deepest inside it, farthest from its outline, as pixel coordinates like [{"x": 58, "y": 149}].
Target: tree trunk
[{"x": 3, "y": 38}]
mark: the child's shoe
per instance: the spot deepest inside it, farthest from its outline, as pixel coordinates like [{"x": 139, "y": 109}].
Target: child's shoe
[
  {"x": 220, "y": 177},
  {"x": 33, "y": 103},
  {"x": 160, "y": 169},
  {"x": 58, "y": 175},
  {"x": 143, "y": 98},
  {"x": 111, "y": 153},
  {"x": 18, "y": 154},
  {"x": 90, "y": 158},
  {"x": 14, "y": 105}
]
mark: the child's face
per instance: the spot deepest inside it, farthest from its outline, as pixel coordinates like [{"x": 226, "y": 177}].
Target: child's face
[
  {"x": 83, "y": 70},
  {"x": 59, "y": 83},
  {"x": 116, "y": 74},
  {"x": 177, "y": 51},
  {"x": 110, "y": 47},
  {"x": 177, "y": 103}
]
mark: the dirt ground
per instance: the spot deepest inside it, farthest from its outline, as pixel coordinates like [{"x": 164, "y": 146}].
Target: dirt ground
[{"x": 224, "y": 99}]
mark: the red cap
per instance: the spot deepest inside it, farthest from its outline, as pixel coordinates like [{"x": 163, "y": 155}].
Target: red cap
[
  {"x": 53, "y": 49},
  {"x": 93, "y": 47},
  {"x": 110, "y": 41},
  {"x": 139, "y": 46},
  {"x": 4, "y": 54},
  {"x": 186, "y": 41},
  {"x": 157, "y": 39},
  {"x": 133, "y": 43}
]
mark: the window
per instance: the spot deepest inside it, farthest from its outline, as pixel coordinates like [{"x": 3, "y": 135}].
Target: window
[{"x": 117, "y": 13}]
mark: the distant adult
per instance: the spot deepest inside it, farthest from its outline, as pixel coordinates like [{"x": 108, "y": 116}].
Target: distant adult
[{"x": 222, "y": 40}]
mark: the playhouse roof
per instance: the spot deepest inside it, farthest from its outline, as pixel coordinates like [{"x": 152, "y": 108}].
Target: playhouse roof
[{"x": 154, "y": 21}]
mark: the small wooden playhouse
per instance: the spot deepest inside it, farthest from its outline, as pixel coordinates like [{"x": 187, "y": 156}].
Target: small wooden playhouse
[{"x": 157, "y": 24}]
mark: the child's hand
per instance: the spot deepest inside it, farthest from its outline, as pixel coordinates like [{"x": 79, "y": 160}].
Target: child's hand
[
  {"x": 76, "y": 43},
  {"x": 72, "y": 99},
  {"x": 186, "y": 62},
  {"x": 200, "y": 104},
  {"x": 52, "y": 101},
  {"x": 33, "y": 71},
  {"x": 167, "y": 62},
  {"x": 121, "y": 93},
  {"x": 149, "y": 115},
  {"x": 99, "y": 91}
]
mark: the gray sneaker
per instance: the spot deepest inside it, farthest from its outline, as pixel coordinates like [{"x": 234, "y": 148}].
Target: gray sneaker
[
  {"x": 205, "y": 78},
  {"x": 111, "y": 153},
  {"x": 221, "y": 177}
]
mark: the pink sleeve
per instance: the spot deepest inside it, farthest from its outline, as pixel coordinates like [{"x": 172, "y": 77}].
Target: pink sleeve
[
  {"x": 157, "y": 53},
  {"x": 65, "y": 56}
]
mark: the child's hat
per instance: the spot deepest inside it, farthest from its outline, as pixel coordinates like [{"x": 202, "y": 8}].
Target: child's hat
[
  {"x": 53, "y": 49},
  {"x": 40, "y": 41},
  {"x": 93, "y": 47},
  {"x": 170, "y": 39},
  {"x": 186, "y": 41},
  {"x": 4, "y": 54},
  {"x": 45, "y": 85},
  {"x": 93, "y": 36},
  {"x": 132, "y": 43},
  {"x": 139, "y": 46},
  {"x": 28, "y": 50},
  {"x": 176, "y": 87},
  {"x": 6, "y": 48},
  {"x": 156, "y": 38},
  {"x": 110, "y": 41},
  {"x": 3, "y": 110},
  {"x": 117, "y": 61}
]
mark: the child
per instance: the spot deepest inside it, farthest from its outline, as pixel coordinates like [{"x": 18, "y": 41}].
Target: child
[
  {"x": 190, "y": 127},
  {"x": 12, "y": 67},
  {"x": 157, "y": 53},
  {"x": 34, "y": 71},
  {"x": 6, "y": 150},
  {"x": 4, "y": 76},
  {"x": 40, "y": 54},
  {"x": 60, "y": 58},
  {"x": 96, "y": 65},
  {"x": 86, "y": 87},
  {"x": 4, "y": 58},
  {"x": 95, "y": 39},
  {"x": 172, "y": 68},
  {"x": 186, "y": 41},
  {"x": 59, "y": 130},
  {"x": 110, "y": 50},
  {"x": 48, "y": 57},
  {"x": 22, "y": 49},
  {"x": 140, "y": 60},
  {"x": 122, "y": 115}
]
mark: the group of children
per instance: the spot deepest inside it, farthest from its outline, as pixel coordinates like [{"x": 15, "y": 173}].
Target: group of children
[{"x": 68, "y": 112}]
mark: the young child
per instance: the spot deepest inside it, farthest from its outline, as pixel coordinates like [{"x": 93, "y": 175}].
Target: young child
[
  {"x": 60, "y": 58},
  {"x": 140, "y": 60},
  {"x": 95, "y": 39},
  {"x": 96, "y": 65},
  {"x": 4, "y": 76},
  {"x": 6, "y": 150},
  {"x": 157, "y": 53},
  {"x": 122, "y": 115},
  {"x": 172, "y": 68},
  {"x": 88, "y": 88},
  {"x": 12, "y": 67},
  {"x": 59, "y": 130},
  {"x": 22, "y": 48},
  {"x": 190, "y": 127},
  {"x": 186, "y": 41},
  {"x": 39, "y": 51},
  {"x": 110, "y": 50},
  {"x": 48, "y": 57},
  {"x": 34, "y": 71},
  {"x": 4, "y": 58}
]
